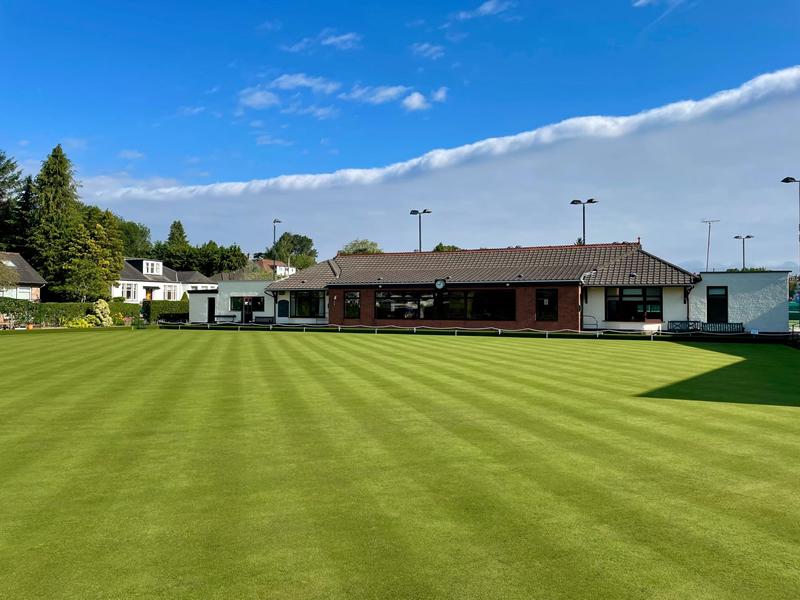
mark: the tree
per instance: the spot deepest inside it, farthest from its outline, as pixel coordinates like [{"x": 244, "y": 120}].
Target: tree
[
  {"x": 10, "y": 185},
  {"x": 9, "y": 277},
  {"x": 135, "y": 239},
  {"x": 294, "y": 249},
  {"x": 361, "y": 247},
  {"x": 95, "y": 260},
  {"x": 57, "y": 218},
  {"x": 24, "y": 217},
  {"x": 176, "y": 251},
  {"x": 440, "y": 247}
]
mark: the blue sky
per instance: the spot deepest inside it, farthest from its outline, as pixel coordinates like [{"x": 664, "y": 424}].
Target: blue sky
[{"x": 193, "y": 93}]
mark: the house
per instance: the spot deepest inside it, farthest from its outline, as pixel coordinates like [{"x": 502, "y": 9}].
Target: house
[
  {"x": 572, "y": 287},
  {"x": 232, "y": 302},
  {"x": 30, "y": 282},
  {"x": 149, "y": 279},
  {"x": 617, "y": 286},
  {"x": 259, "y": 269},
  {"x": 280, "y": 268}
]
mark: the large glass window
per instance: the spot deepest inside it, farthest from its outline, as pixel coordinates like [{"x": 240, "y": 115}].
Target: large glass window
[
  {"x": 352, "y": 305},
  {"x": 256, "y": 303},
  {"x": 547, "y": 305},
  {"x": 485, "y": 305},
  {"x": 630, "y": 304},
  {"x": 307, "y": 304},
  {"x": 129, "y": 291},
  {"x": 717, "y": 304}
]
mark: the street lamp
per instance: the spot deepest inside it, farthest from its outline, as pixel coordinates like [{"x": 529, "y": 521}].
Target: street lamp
[
  {"x": 708, "y": 243},
  {"x": 744, "y": 238},
  {"x": 419, "y": 213},
  {"x": 274, "y": 241},
  {"x": 797, "y": 181},
  {"x": 583, "y": 204}
]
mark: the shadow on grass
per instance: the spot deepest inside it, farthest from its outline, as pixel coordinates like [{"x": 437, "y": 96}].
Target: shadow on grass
[{"x": 764, "y": 374}]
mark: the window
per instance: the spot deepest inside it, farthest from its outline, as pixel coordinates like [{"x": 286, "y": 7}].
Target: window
[
  {"x": 307, "y": 304},
  {"x": 352, "y": 305},
  {"x": 23, "y": 293},
  {"x": 629, "y": 304},
  {"x": 486, "y": 305},
  {"x": 237, "y": 303},
  {"x": 717, "y": 304},
  {"x": 170, "y": 292},
  {"x": 129, "y": 291},
  {"x": 8, "y": 263},
  {"x": 152, "y": 268},
  {"x": 547, "y": 305}
]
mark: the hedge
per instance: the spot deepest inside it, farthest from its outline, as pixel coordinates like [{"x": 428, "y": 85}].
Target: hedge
[
  {"x": 57, "y": 313},
  {"x": 165, "y": 310}
]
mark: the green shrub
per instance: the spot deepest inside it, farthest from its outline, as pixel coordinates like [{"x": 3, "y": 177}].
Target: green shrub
[
  {"x": 56, "y": 314},
  {"x": 79, "y": 322},
  {"x": 102, "y": 313},
  {"x": 172, "y": 310}
]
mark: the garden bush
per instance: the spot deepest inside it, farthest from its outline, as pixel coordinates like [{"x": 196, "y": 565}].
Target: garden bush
[
  {"x": 56, "y": 314},
  {"x": 165, "y": 310}
]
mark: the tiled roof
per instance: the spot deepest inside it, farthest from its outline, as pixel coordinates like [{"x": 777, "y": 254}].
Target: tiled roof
[
  {"x": 315, "y": 277},
  {"x": 27, "y": 274},
  {"x": 597, "y": 264}
]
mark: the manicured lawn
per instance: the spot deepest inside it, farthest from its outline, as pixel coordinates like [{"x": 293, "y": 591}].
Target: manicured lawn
[{"x": 169, "y": 464}]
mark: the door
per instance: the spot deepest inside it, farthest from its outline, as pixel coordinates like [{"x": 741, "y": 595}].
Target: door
[
  {"x": 212, "y": 310},
  {"x": 148, "y": 293},
  {"x": 717, "y": 304},
  {"x": 247, "y": 310}
]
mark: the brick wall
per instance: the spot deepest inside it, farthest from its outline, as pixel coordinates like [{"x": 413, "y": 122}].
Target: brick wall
[{"x": 568, "y": 310}]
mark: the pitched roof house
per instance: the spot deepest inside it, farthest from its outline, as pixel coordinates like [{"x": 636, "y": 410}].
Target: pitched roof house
[
  {"x": 30, "y": 282},
  {"x": 615, "y": 285},
  {"x": 149, "y": 279}
]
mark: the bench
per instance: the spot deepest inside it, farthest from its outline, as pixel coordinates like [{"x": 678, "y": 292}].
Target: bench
[
  {"x": 684, "y": 326},
  {"x": 264, "y": 320},
  {"x": 224, "y": 318},
  {"x": 723, "y": 327}
]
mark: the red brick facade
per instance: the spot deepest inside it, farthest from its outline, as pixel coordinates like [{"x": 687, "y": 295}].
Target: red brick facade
[{"x": 568, "y": 310}]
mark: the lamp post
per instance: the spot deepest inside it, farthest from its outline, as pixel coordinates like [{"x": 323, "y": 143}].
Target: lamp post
[
  {"x": 708, "y": 243},
  {"x": 744, "y": 239},
  {"x": 274, "y": 241},
  {"x": 419, "y": 213},
  {"x": 583, "y": 204},
  {"x": 797, "y": 181}
]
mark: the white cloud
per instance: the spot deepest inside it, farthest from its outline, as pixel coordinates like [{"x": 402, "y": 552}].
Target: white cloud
[
  {"x": 439, "y": 95},
  {"x": 258, "y": 98},
  {"x": 256, "y": 124},
  {"x": 190, "y": 111},
  {"x": 415, "y": 101},
  {"x": 212, "y": 90},
  {"x": 656, "y": 174},
  {"x": 292, "y": 81},
  {"x": 131, "y": 154},
  {"x": 320, "y": 112},
  {"x": 344, "y": 41},
  {"x": 270, "y": 25},
  {"x": 268, "y": 140},
  {"x": 375, "y": 95},
  {"x": 488, "y": 8},
  {"x": 428, "y": 50},
  {"x": 328, "y": 38}
]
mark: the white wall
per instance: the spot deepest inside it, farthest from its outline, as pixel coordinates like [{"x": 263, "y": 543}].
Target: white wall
[
  {"x": 198, "y": 303},
  {"x": 757, "y": 299},
  {"x": 674, "y": 309},
  {"x": 158, "y": 294}
]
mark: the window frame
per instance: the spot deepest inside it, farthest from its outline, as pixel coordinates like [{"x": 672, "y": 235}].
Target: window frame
[
  {"x": 709, "y": 295},
  {"x": 541, "y": 294},
  {"x": 645, "y": 298},
  {"x": 422, "y": 309},
  {"x": 348, "y": 297},
  {"x": 321, "y": 308}
]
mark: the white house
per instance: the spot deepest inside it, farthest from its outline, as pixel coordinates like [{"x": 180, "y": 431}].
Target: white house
[
  {"x": 30, "y": 282},
  {"x": 757, "y": 299},
  {"x": 148, "y": 279}
]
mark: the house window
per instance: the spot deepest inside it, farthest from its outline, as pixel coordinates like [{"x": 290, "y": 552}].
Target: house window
[
  {"x": 483, "y": 305},
  {"x": 170, "y": 292},
  {"x": 129, "y": 291},
  {"x": 307, "y": 304},
  {"x": 152, "y": 268},
  {"x": 547, "y": 305},
  {"x": 256, "y": 303},
  {"x": 352, "y": 305},
  {"x": 717, "y": 304},
  {"x": 632, "y": 304},
  {"x": 23, "y": 293}
]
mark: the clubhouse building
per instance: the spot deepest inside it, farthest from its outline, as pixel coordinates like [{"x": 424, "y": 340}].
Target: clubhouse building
[{"x": 577, "y": 287}]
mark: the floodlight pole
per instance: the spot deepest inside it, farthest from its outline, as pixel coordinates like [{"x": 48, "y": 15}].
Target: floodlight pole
[
  {"x": 583, "y": 204},
  {"x": 708, "y": 242},
  {"x": 744, "y": 239},
  {"x": 797, "y": 181},
  {"x": 418, "y": 214}
]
